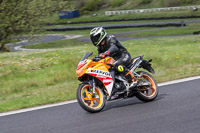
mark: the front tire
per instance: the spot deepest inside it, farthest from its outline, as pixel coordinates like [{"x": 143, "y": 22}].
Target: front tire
[
  {"x": 150, "y": 92},
  {"x": 87, "y": 102}
]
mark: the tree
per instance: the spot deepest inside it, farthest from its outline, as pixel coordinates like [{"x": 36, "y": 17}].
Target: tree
[{"x": 19, "y": 17}]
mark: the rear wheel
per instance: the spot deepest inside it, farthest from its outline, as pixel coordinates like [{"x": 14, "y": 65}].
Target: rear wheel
[
  {"x": 148, "y": 89},
  {"x": 88, "y": 101}
]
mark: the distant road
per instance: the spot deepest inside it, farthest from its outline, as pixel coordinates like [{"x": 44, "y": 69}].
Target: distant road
[
  {"x": 176, "y": 110},
  {"x": 121, "y": 37},
  {"x": 55, "y": 37},
  {"x": 111, "y": 26},
  {"x": 40, "y": 39}
]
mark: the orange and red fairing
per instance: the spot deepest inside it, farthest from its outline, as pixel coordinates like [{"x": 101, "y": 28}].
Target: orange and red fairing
[{"x": 99, "y": 70}]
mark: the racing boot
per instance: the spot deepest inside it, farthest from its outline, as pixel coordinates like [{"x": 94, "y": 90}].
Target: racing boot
[
  {"x": 132, "y": 81},
  {"x": 127, "y": 74}
]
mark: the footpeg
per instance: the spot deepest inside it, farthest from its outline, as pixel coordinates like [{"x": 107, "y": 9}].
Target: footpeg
[
  {"x": 133, "y": 86},
  {"x": 121, "y": 92}
]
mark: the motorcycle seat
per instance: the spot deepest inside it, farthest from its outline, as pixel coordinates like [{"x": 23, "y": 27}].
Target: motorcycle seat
[{"x": 132, "y": 63}]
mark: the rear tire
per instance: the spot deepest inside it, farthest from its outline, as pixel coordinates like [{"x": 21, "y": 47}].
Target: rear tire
[
  {"x": 87, "y": 102},
  {"x": 147, "y": 93}
]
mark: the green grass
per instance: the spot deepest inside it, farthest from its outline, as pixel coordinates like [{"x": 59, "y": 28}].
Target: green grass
[
  {"x": 30, "y": 79},
  {"x": 171, "y": 31},
  {"x": 123, "y": 22},
  {"x": 101, "y": 16},
  {"x": 85, "y": 33},
  {"x": 42, "y": 77},
  {"x": 73, "y": 42},
  {"x": 87, "y": 7},
  {"x": 55, "y": 44}
]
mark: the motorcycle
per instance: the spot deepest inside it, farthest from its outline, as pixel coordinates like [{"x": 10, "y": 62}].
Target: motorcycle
[{"x": 100, "y": 82}]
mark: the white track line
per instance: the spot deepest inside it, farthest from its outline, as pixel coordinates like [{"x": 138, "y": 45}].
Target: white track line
[
  {"x": 36, "y": 108},
  {"x": 18, "y": 48},
  {"x": 73, "y": 101},
  {"x": 178, "y": 81}
]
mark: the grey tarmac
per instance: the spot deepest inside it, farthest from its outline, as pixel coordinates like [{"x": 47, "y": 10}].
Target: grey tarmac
[{"x": 176, "y": 110}]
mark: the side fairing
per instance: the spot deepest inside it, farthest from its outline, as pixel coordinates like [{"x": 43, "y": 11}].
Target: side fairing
[{"x": 104, "y": 75}]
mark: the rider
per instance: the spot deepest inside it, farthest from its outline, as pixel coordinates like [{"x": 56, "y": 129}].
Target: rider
[{"x": 108, "y": 45}]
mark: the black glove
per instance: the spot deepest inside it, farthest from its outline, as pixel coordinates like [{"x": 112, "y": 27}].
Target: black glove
[
  {"x": 96, "y": 58},
  {"x": 103, "y": 55}
]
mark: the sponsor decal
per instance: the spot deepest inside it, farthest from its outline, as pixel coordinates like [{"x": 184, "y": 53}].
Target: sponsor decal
[
  {"x": 107, "y": 81},
  {"x": 99, "y": 72},
  {"x": 104, "y": 76},
  {"x": 120, "y": 68}
]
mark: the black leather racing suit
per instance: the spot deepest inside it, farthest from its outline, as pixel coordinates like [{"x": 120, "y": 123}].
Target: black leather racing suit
[{"x": 116, "y": 50}]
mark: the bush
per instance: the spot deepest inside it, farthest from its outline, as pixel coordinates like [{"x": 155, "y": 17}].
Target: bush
[
  {"x": 171, "y": 3},
  {"x": 116, "y": 3},
  {"x": 188, "y": 1},
  {"x": 145, "y": 1},
  {"x": 92, "y": 5},
  {"x": 4, "y": 49}
]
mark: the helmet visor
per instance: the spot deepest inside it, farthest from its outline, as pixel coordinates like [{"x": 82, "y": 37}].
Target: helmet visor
[{"x": 95, "y": 39}]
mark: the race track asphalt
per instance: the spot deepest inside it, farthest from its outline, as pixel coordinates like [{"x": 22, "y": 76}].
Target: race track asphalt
[
  {"x": 176, "y": 110},
  {"x": 128, "y": 25}
]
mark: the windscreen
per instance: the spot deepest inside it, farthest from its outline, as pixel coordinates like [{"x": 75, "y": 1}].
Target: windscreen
[{"x": 86, "y": 56}]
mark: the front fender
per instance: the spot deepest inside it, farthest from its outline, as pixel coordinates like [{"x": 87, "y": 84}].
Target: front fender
[{"x": 90, "y": 82}]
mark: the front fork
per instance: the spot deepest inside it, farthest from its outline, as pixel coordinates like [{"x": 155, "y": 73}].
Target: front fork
[
  {"x": 93, "y": 88},
  {"x": 92, "y": 83}
]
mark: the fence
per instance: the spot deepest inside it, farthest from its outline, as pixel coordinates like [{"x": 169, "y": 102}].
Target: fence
[{"x": 152, "y": 10}]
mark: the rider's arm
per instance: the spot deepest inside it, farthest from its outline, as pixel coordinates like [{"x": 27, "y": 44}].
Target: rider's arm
[
  {"x": 113, "y": 48},
  {"x": 99, "y": 50}
]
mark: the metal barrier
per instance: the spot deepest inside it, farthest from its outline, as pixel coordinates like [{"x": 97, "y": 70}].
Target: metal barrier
[{"x": 151, "y": 10}]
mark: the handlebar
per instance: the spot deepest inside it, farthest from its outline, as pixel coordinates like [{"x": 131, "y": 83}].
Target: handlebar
[{"x": 96, "y": 58}]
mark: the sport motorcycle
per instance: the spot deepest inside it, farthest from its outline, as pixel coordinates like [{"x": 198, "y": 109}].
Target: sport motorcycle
[{"x": 100, "y": 82}]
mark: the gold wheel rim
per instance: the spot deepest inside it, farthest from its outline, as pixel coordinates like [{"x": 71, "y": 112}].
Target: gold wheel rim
[
  {"x": 152, "y": 91},
  {"x": 92, "y": 102}
]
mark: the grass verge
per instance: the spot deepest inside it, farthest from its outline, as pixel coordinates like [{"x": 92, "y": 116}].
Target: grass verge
[
  {"x": 123, "y": 22},
  {"x": 100, "y": 16},
  {"x": 171, "y": 31},
  {"x": 85, "y": 33},
  {"x": 41, "y": 77},
  {"x": 73, "y": 42}
]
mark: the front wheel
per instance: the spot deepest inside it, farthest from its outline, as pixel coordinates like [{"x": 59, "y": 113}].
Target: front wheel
[
  {"x": 147, "y": 88},
  {"x": 88, "y": 101}
]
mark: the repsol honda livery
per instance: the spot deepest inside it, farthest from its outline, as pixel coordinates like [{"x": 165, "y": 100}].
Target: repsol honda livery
[{"x": 101, "y": 83}]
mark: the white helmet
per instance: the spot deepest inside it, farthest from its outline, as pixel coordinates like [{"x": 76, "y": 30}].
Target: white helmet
[{"x": 97, "y": 35}]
